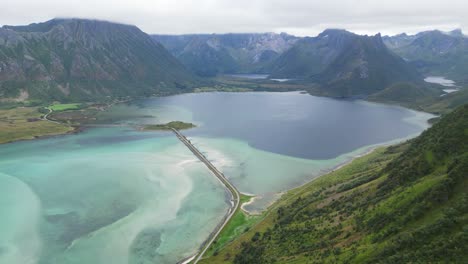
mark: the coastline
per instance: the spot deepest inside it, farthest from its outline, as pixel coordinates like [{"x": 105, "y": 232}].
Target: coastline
[
  {"x": 348, "y": 158},
  {"x": 75, "y": 130},
  {"x": 281, "y": 193},
  {"x": 365, "y": 151},
  {"x": 80, "y": 127}
]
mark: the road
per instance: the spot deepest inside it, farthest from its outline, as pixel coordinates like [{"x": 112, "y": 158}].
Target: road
[
  {"x": 235, "y": 195},
  {"x": 47, "y": 115}
]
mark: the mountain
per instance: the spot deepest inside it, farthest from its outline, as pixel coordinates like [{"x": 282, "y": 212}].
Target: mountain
[
  {"x": 345, "y": 64},
  {"x": 213, "y": 54},
  {"x": 66, "y": 59},
  {"x": 403, "y": 204},
  {"x": 397, "y": 41},
  {"x": 434, "y": 52}
]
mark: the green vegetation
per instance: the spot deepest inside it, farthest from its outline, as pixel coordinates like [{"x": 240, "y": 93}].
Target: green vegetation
[
  {"x": 27, "y": 123},
  {"x": 406, "y": 94},
  {"x": 406, "y": 203},
  {"x": 422, "y": 97},
  {"x": 179, "y": 125},
  {"x": 218, "y": 88},
  {"x": 65, "y": 107},
  {"x": 447, "y": 103},
  {"x": 239, "y": 224}
]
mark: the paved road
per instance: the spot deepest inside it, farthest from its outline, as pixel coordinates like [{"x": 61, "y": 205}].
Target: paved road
[{"x": 235, "y": 196}]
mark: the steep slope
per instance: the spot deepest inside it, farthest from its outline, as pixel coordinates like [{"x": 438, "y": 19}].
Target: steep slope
[
  {"x": 436, "y": 53},
  {"x": 82, "y": 59},
  {"x": 209, "y": 55},
  {"x": 397, "y": 41},
  {"x": 345, "y": 64},
  {"x": 312, "y": 55},
  {"x": 404, "y": 204}
]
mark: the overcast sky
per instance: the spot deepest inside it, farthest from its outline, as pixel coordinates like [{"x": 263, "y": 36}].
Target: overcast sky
[{"x": 299, "y": 17}]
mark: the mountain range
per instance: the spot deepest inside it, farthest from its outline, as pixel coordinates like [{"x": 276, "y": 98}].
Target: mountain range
[
  {"x": 344, "y": 63},
  {"x": 213, "y": 54},
  {"x": 434, "y": 52},
  {"x": 84, "y": 59},
  {"x": 79, "y": 59}
]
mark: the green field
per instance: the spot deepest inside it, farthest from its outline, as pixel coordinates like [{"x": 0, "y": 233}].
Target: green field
[
  {"x": 239, "y": 224},
  {"x": 27, "y": 123},
  {"x": 65, "y": 107}
]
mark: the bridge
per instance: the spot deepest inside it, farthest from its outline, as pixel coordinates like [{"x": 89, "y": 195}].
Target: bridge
[{"x": 235, "y": 195}]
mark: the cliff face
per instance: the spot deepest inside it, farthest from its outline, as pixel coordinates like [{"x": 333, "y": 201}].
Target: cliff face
[
  {"x": 209, "y": 55},
  {"x": 71, "y": 52}
]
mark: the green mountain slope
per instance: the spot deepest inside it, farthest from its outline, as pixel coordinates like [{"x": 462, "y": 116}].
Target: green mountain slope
[
  {"x": 82, "y": 59},
  {"x": 345, "y": 64},
  {"x": 403, "y": 204},
  {"x": 407, "y": 94},
  {"x": 435, "y": 52},
  {"x": 213, "y": 54}
]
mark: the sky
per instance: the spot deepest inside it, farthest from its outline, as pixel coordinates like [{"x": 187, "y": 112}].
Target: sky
[{"x": 297, "y": 17}]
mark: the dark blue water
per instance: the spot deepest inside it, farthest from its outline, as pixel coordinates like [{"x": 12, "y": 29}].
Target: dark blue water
[{"x": 294, "y": 124}]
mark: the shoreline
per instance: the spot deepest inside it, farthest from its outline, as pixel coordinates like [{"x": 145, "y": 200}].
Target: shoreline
[
  {"x": 75, "y": 130},
  {"x": 366, "y": 150},
  {"x": 81, "y": 127}
]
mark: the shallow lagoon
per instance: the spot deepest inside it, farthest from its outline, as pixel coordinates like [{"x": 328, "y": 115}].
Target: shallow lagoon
[
  {"x": 118, "y": 195},
  {"x": 107, "y": 195}
]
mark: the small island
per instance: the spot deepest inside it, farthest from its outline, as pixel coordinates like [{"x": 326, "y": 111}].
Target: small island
[{"x": 179, "y": 125}]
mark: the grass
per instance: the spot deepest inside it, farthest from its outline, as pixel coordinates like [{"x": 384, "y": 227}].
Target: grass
[
  {"x": 26, "y": 123},
  {"x": 239, "y": 223},
  {"x": 179, "y": 125},
  {"x": 226, "y": 252},
  {"x": 395, "y": 205},
  {"x": 65, "y": 107}
]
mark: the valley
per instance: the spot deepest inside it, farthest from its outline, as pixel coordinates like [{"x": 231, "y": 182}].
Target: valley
[{"x": 334, "y": 148}]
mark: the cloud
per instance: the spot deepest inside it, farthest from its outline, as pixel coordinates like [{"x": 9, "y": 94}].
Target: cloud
[{"x": 301, "y": 17}]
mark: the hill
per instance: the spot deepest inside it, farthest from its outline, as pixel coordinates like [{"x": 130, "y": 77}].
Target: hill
[
  {"x": 403, "y": 204},
  {"x": 344, "y": 64},
  {"x": 434, "y": 52},
  {"x": 212, "y": 54},
  {"x": 407, "y": 94},
  {"x": 78, "y": 59}
]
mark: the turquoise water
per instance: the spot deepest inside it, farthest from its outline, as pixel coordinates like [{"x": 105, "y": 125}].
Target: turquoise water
[
  {"x": 119, "y": 195},
  {"x": 105, "y": 196}
]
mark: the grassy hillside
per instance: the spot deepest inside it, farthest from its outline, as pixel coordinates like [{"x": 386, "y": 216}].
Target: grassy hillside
[
  {"x": 404, "y": 93},
  {"x": 406, "y": 203}
]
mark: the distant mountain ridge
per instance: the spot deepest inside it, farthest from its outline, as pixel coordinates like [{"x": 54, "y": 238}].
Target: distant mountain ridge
[
  {"x": 79, "y": 58},
  {"x": 434, "y": 52},
  {"x": 213, "y": 54},
  {"x": 344, "y": 63}
]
